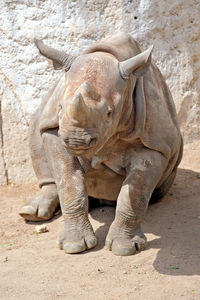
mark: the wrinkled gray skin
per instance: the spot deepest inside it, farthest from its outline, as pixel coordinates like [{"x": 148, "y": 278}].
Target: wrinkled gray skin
[{"x": 107, "y": 129}]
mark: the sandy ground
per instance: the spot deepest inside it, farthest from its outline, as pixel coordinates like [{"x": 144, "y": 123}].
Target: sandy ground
[{"x": 32, "y": 266}]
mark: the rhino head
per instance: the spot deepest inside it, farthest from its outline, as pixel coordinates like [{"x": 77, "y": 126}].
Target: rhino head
[{"x": 97, "y": 99}]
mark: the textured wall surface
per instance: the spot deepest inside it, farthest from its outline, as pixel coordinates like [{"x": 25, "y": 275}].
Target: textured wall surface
[{"x": 172, "y": 26}]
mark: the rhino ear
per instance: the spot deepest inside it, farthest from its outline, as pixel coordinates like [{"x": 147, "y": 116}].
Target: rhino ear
[
  {"x": 60, "y": 59},
  {"x": 136, "y": 65}
]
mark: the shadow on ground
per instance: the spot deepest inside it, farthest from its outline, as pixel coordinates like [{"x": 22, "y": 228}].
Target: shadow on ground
[{"x": 175, "y": 221}]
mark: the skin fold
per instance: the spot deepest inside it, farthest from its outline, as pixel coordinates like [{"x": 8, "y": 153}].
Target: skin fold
[{"x": 107, "y": 129}]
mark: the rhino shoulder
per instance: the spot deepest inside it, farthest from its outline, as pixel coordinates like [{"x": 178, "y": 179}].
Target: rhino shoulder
[{"x": 48, "y": 115}]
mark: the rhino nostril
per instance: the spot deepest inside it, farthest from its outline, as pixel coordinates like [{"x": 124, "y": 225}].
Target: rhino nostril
[{"x": 92, "y": 141}]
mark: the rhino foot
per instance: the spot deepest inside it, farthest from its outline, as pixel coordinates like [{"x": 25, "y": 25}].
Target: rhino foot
[
  {"x": 77, "y": 238},
  {"x": 42, "y": 206},
  {"x": 123, "y": 244}
]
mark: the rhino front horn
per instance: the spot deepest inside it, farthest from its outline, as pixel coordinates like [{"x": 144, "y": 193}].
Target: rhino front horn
[
  {"x": 60, "y": 59},
  {"x": 136, "y": 65},
  {"x": 78, "y": 109}
]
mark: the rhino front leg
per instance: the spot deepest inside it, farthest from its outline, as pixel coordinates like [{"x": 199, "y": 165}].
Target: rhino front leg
[
  {"x": 125, "y": 235},
  {"x": 77, "y": 234}
]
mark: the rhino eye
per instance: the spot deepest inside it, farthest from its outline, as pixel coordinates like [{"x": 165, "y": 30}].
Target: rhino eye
[{"x": 60, "y": 106}]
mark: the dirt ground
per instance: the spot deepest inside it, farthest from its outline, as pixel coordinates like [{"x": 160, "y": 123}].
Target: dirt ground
[{"x": 32, "y": 266}]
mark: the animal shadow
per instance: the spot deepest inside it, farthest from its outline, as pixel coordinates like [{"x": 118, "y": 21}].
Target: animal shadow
[{"x": 174, "y": 221}]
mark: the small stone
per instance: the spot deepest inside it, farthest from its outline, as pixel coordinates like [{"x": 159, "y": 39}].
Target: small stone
[
  {"x": 82, "y": 285},
  {"x": 41, "y": 228}
]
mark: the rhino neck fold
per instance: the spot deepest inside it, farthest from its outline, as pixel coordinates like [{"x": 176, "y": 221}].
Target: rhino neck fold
[
  {"x": 140, "y": 106},
  {"x": 133, "y": 126}
]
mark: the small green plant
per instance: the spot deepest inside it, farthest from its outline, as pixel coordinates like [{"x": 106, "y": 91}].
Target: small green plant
[
  {"x": 174, "y": 267},
  {"x": 6, "y": 245},
  {"x": 135, "y": 267},
  {"x": 6, "y": 259}
]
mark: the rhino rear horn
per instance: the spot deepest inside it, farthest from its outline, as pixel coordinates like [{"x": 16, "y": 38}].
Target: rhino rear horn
[
  {"x": 60, "y": 59},
  {"x": 88, "y": 91},
  {"x": 136, "y": 65}
]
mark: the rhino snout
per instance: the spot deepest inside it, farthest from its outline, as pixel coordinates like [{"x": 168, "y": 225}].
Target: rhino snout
[
  {"x": 80, "y": 144},
  {"x": 78, "y": 140}
]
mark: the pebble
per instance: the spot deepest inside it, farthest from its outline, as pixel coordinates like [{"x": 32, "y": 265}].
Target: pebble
[{"x": 41, "y": 228}]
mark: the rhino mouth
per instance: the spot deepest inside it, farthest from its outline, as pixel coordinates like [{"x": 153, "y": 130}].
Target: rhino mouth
[
  {"x": 78, "y": 141},
  {"x": 75, "y": 145}
]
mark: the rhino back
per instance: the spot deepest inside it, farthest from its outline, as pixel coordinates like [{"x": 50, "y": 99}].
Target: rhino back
[{"x": 121, "y": 45}]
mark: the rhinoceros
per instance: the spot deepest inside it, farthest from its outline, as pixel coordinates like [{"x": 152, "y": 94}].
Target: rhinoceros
[{"x": 107, "y": 129}]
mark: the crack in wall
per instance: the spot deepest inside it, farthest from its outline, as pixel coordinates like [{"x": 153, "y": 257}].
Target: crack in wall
[
  {"x": 9, "y": 84},
  {"x": 2, "y": 146}
]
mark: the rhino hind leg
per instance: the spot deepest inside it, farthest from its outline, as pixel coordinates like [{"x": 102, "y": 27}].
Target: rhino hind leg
[{"x": 42, "y": 206}]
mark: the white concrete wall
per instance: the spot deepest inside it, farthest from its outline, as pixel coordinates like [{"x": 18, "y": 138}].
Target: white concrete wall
[{"x": 172, "y": 26}]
